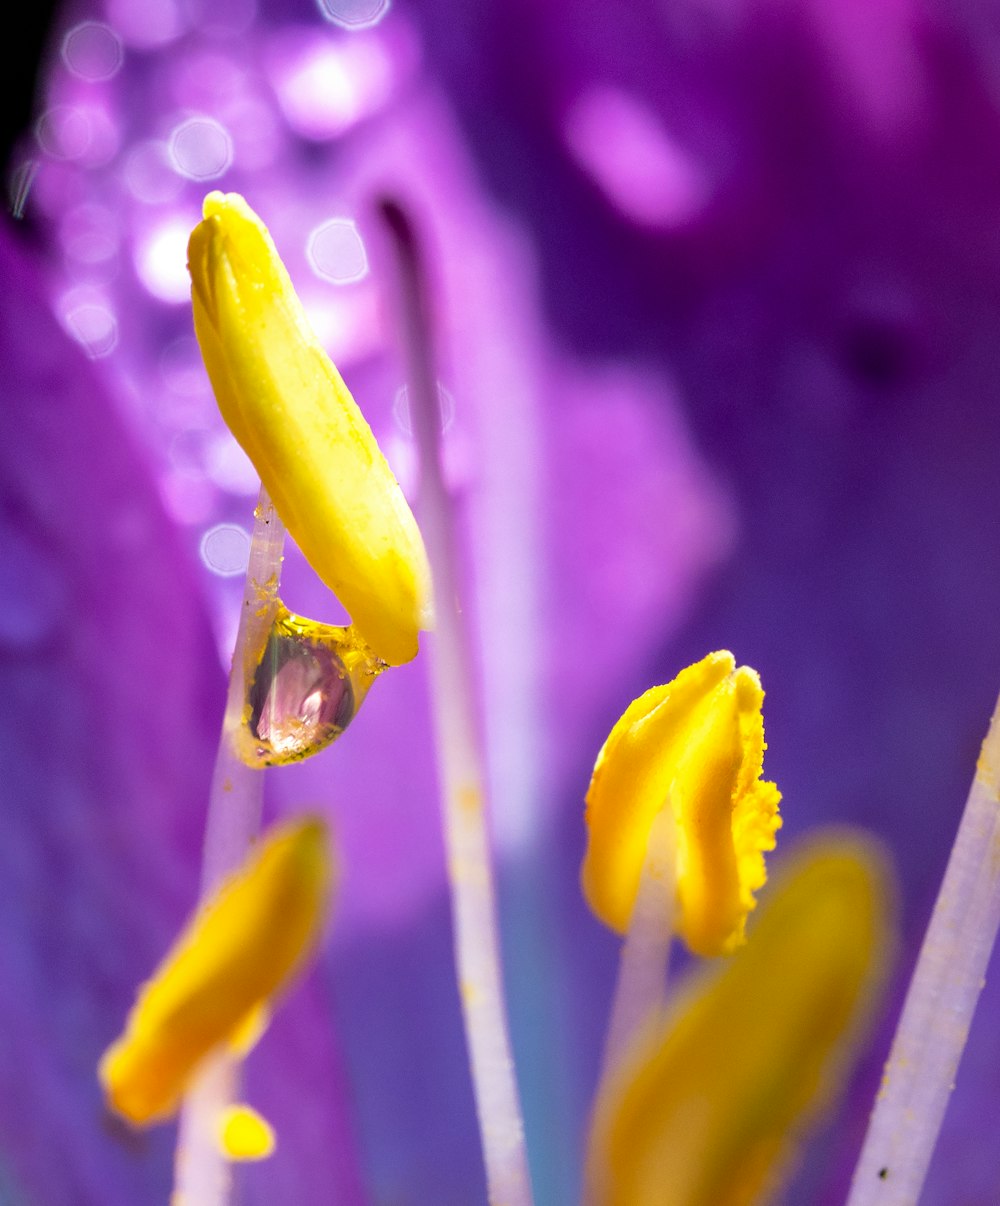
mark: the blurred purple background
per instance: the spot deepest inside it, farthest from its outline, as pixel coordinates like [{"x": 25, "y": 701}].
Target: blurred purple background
[{"x": 718, "y": 300}]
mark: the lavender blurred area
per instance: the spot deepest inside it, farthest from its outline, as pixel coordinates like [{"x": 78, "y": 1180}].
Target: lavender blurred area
[{"x": 717, "y": 290}]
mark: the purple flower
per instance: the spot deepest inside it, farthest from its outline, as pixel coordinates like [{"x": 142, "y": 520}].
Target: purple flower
[{"x": 717, "y": 303}]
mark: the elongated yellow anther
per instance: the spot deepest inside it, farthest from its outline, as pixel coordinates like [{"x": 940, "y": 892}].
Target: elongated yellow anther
[
  {"x": 213, "y": 988},
  {"x": 696, "y": 746},
  {"x": 289, "y": 408},
  {"x": 708, "y": 1105}
]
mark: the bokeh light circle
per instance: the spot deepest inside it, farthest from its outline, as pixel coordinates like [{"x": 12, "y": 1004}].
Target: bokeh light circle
[
  {"x": 337, "y": 253},
  {"x": 94, "y": 326},
  {"x": 92, "y": 51},
  {"x": 225, "y": 549},
  {"x": 353, "y": 14},
  {"x": 200, "y": 148},
  {"x": 401, "y": 409},
  {"x": 161, "y": 260}
]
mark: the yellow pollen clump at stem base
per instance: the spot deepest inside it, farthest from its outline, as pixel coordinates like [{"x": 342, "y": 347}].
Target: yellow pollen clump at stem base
[
  {"x": 291, "y": 412},
  {"x": 697, "y": 742},
  {"x": 707, "y": 1105},
  {"x": 245, "y": 1135},
  {"x": 214, "y": 987}
]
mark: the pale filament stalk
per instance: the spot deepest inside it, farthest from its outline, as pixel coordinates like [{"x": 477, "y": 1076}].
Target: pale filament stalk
[
  {"x": 937, "y": 1013},
  {"x": 462, "y": 782},
  {"x": 641, "y": 987},
  {"x": 201, "y": 1173}
]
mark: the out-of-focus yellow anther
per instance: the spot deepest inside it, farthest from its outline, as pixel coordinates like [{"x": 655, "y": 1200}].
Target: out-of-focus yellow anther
[
  {"x": 290, "y": 410},
  {"x": 214, "y": 987},
  {"x": 245, "y": 1135},
  {"x": 696, "y": 746},
  {"x": 710, "y": 1101}
]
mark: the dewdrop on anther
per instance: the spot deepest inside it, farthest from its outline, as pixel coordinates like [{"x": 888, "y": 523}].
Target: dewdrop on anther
[{"x": 306, "y": 689}]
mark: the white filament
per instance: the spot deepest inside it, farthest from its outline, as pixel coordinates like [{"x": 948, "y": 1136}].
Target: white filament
[
  {"x": 641, "y": 987},
  {"x": 463, "y": 794},
  {"x": 937, "y": 1014},
  {"x": 201, "y": 1173}
]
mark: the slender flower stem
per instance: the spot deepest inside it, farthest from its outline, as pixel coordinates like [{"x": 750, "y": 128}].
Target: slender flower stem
[
  {"x": 237, "y": 789},
  {"x": 201, "y": 1175},
  {"x": 941, "y": 1000},
  {"x": 641, "y": 987},
  {"x": 463, "y": 799}
]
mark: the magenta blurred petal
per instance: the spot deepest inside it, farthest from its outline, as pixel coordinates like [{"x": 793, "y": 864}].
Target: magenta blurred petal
[
  {"x": 113, "y": 695},
  {"x": 110, "y": 687}
]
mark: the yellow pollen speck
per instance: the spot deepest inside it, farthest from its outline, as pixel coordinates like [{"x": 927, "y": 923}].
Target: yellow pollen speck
[
  {"x": 244, "y": 1134},
  {"x": 696, "y": 743},
  {"x": 469, "y": 799}
]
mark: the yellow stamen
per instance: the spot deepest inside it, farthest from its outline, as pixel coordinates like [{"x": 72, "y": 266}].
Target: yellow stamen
[
  {"x": 696, "y": 743},
  {"x": 238, "y": 951},
  {"x": 711, "y": 1099},
  {"x": 245, "y": 1135},
  {"x": 290, "y": 410}
]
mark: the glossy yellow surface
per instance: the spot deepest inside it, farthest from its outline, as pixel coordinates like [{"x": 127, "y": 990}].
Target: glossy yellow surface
[
  {"x": 214, "y": 987},
  {"x": 708, "y": 1105},
  {"x": 696, "y": 746},
  {"x": 245, "y": 1135},
  {"x": 290, "y": 410}
]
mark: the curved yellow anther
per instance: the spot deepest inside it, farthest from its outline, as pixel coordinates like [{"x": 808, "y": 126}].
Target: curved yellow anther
[
  {"x": 710, "y": 1101},
  {"x": 695, "y": 745},
  {"x": 237, "y": 952},
  {"x": 290, "y": 410}
]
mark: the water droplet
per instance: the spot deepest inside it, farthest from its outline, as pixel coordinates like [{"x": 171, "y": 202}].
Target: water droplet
[{"x": 309, "y": 684}]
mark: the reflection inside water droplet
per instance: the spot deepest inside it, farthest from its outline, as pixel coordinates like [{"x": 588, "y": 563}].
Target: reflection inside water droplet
[{"x": 307, "y": 688}]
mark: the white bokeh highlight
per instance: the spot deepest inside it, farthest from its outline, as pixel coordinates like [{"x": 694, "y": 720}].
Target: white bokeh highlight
[
  {"x": 336, "y": 252},
  {"x": 225, "y": 549},
  {"x": 92, "y": 51},
  {"x": 353, "y": 14},
  {"x": 161, "y": 260},
  {"x": 200, "y": 148}
]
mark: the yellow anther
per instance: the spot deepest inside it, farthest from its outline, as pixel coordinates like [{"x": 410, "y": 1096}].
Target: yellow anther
[
  {"x": 213, "y": 988},
  {"x": 290, "y": 410},
  {"x": 707, "y": 1105},
  {"x": 695, "y": 745}
]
